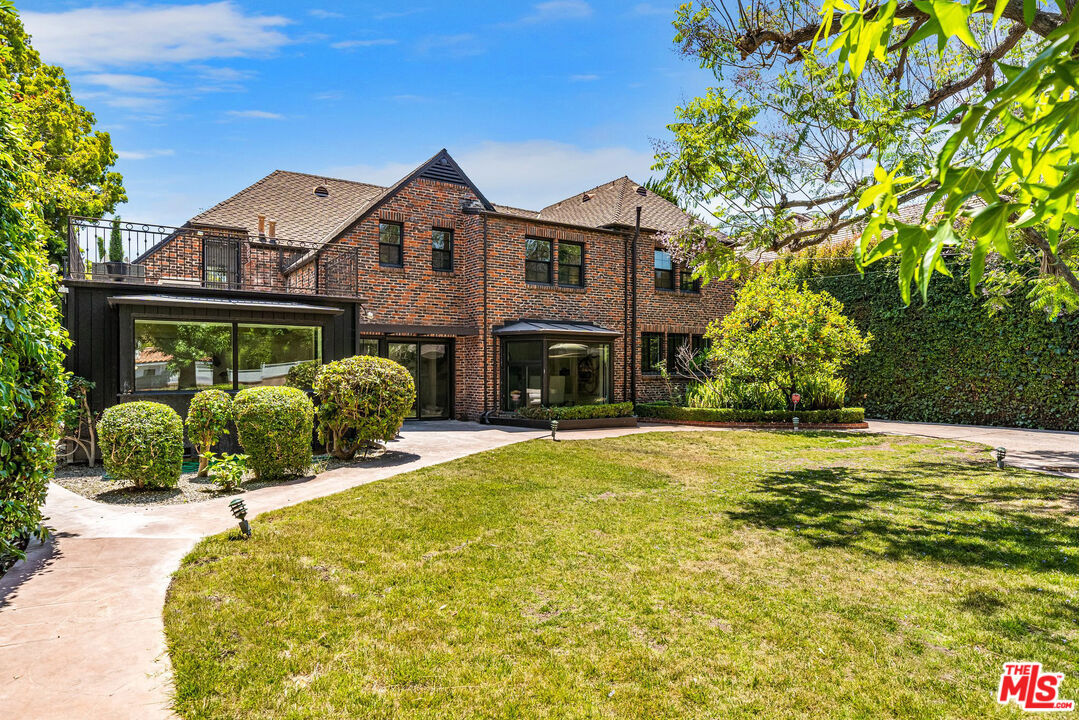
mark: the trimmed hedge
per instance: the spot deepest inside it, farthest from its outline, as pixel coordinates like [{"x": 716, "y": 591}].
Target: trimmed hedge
[
  {"x": 274, "y": 426},
  {"x": 362, "y": 399},
  {"x": 664, "y": 411},
  {"x": 302, "y": 375},
  {"x": 950, "y": 361},
  {"x": 578, "y": 412},
  {"x": 208, "y": 418},
  {"x": 142, "y": 442}
]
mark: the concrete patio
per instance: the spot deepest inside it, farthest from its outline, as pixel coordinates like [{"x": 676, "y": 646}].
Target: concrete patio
[{"x": 81, "y": 633}]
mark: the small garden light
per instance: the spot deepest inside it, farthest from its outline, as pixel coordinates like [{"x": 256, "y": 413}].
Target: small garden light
[
  {"x": 554, "y": 430},
  {"x": 795, "y": 420},
  {"x": 1001, "y": 452},
  {"x": 239, "y": 511}
]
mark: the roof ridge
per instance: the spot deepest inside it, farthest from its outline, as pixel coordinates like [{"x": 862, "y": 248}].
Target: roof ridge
[{"x": 625, "y": 181}]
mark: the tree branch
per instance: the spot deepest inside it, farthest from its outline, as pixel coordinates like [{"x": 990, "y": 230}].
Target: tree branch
[
  {"x": 1039, "y": 241},
  {"x": 985, "y": 67}
]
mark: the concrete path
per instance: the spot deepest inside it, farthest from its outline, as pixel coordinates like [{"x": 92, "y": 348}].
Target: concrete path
[{"x": 81, "y": 633}]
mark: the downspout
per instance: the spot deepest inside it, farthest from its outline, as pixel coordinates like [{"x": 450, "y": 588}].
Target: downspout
[
  {"x": 626, "y": 358},
  {"x": 633, "y": 319},
  {"x": 486, "y": 374}
]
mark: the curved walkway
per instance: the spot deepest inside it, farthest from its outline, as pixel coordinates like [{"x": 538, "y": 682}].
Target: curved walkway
[{"x": 81, "y": 633}]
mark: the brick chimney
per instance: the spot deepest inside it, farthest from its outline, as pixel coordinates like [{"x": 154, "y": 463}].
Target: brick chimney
[
  {"x": 262, "y": 225},
  {"x": 272, "y": 232}
]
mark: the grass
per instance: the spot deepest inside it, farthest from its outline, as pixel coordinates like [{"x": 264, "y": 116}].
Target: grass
[{"x": 666, "y": 575}]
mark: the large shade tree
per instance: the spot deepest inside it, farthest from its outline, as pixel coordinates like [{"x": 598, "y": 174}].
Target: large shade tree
[
  {"x": 73, "y": 161},
  {"x": 918, "y": 125}
]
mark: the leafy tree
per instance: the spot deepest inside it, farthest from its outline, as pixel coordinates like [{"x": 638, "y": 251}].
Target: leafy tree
[
  {"x": 782, "y": 333},
  {"x": 32, "y": 341},
  {"x": 72, "y": 160},
  {"x": 927, "y": 124},
  {"x": 208, "y": 417}
]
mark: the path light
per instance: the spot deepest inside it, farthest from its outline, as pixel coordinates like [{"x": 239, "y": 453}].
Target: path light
[
  {"x": 1001, "y": 452},
  {"x": 795, "y": 419},
  {"x": 554, "y": 430},
  {"x": 239, "y": 511}
]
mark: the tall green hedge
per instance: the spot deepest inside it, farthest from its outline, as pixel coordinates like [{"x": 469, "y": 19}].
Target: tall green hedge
[
  {"x": 951, "y": 362},
  {"x": 33, "y": 386}
]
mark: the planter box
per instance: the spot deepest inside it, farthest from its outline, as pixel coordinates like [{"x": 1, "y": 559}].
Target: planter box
[
  {"x": 581, "y": 424},
  {"x": 759, "y": 426},
  {"x": 119, "y": 271}
]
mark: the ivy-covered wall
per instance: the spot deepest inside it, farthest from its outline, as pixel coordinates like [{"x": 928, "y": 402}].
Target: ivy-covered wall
[{"x": 949, "y": 361}]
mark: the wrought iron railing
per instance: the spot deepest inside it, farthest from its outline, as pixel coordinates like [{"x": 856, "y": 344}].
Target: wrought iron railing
[{"x": 223, "y": 258}]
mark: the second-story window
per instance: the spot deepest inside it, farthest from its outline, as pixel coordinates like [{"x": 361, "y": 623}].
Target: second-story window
[
  {"x": 570, "y": 264},
  {"x": 537, "y": 260},
  {"x": 664, "y": 270},
  {"x": 389, "y": 244},
  {"x": 689, "y": 284},
  {"x": 442, "y": 249}
]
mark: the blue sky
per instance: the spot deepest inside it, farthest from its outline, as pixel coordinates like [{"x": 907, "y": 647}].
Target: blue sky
[{"x": 536, "y": 100}]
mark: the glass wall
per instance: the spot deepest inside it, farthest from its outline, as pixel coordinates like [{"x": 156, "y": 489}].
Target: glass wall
[
  {"x": 172, "y": 355},
  {"x": 265, "y": 353},
  {"x": 555, "y": 371}
]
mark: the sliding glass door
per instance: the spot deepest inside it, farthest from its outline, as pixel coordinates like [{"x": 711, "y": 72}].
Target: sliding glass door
[{"x": 429, "y": 364}]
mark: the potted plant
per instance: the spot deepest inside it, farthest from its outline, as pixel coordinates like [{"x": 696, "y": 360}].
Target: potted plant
[{"x": 116, "y": 265}]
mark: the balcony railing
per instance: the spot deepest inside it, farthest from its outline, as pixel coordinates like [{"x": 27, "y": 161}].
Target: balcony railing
[{"x": 222, "y": 258}]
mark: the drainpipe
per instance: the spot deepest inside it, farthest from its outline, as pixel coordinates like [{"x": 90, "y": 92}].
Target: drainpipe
[
  {"x": 486, "y": 397},
  {"x": 633, "y": 319}
]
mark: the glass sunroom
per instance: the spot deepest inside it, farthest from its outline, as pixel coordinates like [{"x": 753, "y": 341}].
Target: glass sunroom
[{"x": 555, "y": 364}]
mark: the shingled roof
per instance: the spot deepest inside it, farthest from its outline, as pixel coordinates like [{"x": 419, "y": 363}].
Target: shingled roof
[
  {"x": 304, "y": 215},
  {"x": 614, "y": 204},
  {"x": 290, "y": 199}
]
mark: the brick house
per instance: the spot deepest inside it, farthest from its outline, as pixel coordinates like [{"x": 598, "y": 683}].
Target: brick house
[{"x": 490, "y": 307}]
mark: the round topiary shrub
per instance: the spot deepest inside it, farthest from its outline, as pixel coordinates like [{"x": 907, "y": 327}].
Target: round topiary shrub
[
  {"x": 208, "y": 418},
  {"x": 362, "y": 399},
  {"x": 302, "y": 375},
  {"x": 142, "y": 442},
  {"x": 274, "y": 426}
]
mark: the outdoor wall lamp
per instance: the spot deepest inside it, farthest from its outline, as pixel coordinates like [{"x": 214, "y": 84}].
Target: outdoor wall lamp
[
  {"x": 1001, "y": 452},
  {"x": 239, "y": 511},
  {"x": 554, "y": 430}
]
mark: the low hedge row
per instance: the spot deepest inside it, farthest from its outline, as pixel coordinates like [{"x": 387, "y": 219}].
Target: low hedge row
[
  {"x": 665, "y": 411},
  {"x": 578, "y": 412}
]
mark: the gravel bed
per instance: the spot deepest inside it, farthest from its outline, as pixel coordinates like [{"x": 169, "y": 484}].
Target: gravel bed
[{"x": 90, "y": 482}]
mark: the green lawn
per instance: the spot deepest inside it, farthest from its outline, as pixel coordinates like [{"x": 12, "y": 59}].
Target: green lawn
[{"x": 667, "y": 575}]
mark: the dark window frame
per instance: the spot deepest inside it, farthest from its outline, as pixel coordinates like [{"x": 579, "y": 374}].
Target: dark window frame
[
  {"x": 549, "y": 262},
  {"x": 692, "y": 286},
  {"x": 580, "y": 266},
  {"x": 547, "y": 340},
  {"x": 448, "y": 232},
  {"x": 674, "y": 342},
  {"x": 647, "y": 367},
  {"x": 399, "y": 245},
  {"x": 668, "y": 273}
]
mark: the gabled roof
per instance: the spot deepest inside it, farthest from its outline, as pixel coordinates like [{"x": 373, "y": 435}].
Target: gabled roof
[
  {"x": 614, "y": 204},
  {"x": 290, "y": 199}
]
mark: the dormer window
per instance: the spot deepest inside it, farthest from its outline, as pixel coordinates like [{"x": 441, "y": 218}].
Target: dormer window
[{"x": 322, "y": 191}]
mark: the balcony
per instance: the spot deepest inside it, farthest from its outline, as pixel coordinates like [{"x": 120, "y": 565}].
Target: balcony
[{"x": 102, "y": 250}]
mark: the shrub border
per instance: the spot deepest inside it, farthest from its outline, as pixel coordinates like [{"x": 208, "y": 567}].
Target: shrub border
[{"x": 844, "y": 418}]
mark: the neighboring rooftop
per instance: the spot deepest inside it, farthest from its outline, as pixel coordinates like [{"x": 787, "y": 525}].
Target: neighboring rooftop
[{"x": 313, "y": 208}]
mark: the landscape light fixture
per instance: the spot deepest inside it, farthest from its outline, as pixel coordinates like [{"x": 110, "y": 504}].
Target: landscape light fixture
[
  {"x": 554, "y": 430},
  {"x": 1001, "y": 452},
  {"x": 795, "y": 420},
  {"x": 239, "y": 511}
]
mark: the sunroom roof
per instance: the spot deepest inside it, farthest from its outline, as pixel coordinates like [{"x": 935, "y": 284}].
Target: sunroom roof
[
  {"x": 548, "y": 327},
  {"x": 229, "y": 303}
]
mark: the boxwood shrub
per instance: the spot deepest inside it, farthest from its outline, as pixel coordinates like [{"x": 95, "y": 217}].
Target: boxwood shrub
[
  {"x": 578, "y": 412},
  {"x": 142, "y": 442},
  {"x": 665, "y": 411},
  {"x": 302, "y": 375},
  {"x": 274, "y": 427},
  {"x": 208, "y": 418},
  {"x": 362, "y": 399}
]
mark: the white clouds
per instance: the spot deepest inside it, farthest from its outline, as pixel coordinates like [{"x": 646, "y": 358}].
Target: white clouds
[
  {"x": 92, "y": 38},
  {"x": 529, "y": 174},
  {"x": 255, "y": 114},
  {"x": 121, "y": 82},
  {"x": 461, "y": 45},
  {"x": 143, "y": 154},
  {"x": 556, "y": 10},
  {"x": 324, "y": 14},
  {"x": 353, "y": 44},
  {"x": 588, "y": 77}
]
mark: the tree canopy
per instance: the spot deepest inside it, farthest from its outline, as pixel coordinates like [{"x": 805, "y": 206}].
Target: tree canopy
[
  {"x": 922, "y": 126},
  {"x": 73, "y": 161}
]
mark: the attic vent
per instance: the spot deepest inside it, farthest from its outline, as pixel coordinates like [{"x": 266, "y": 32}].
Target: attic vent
[
  {"x": 585, "y": 198},
  {"x": 321, "y": 191}
]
